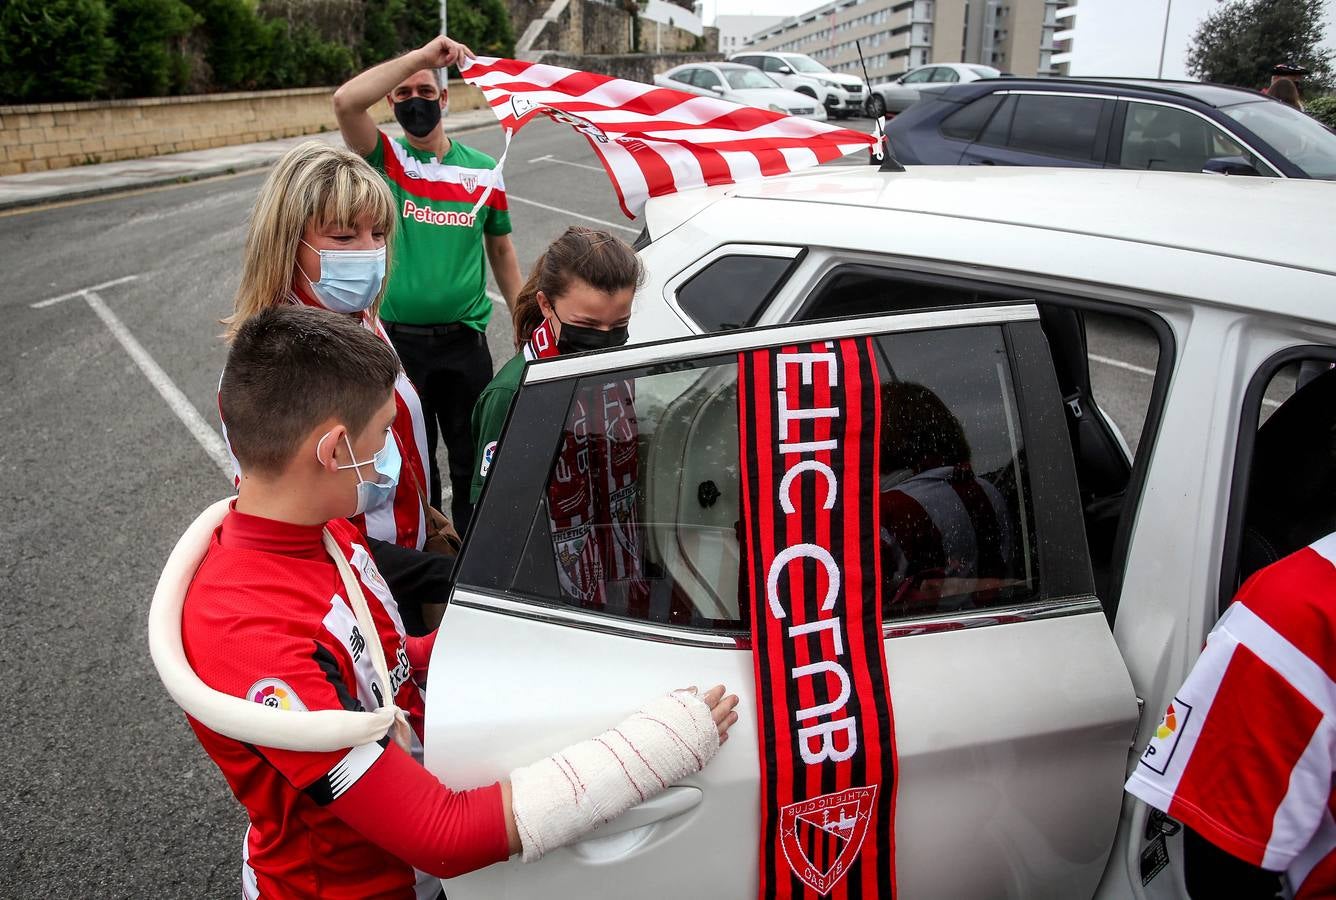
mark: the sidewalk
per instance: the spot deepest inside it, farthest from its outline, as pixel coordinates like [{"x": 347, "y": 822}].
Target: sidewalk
[{"x": 76, "y": 182}]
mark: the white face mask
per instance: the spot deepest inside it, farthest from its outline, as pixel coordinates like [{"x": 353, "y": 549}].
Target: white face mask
[{"x": 349, "y": 279}]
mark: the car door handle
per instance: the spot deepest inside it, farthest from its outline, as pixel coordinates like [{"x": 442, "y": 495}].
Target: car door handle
[
  {"x": 672, "y": 803},
  {"x": 987, "y": 162}
]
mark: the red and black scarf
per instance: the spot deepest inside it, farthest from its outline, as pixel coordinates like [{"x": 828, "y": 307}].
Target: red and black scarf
[{"x": 808, "y": 427}]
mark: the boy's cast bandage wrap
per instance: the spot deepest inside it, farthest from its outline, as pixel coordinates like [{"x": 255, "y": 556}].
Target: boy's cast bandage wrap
[{"x": 560, "y": 799}]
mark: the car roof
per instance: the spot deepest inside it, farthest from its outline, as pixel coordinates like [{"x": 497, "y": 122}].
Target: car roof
[
  {"x": 1213, "y": 214},
  {"x": 1216, "y": 95}
]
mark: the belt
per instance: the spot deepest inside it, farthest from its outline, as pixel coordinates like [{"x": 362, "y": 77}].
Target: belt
[{"x": 429, "y": 330}]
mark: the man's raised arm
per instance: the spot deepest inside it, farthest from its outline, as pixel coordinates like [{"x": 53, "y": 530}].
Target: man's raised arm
[{"x": 353, "y": 100}]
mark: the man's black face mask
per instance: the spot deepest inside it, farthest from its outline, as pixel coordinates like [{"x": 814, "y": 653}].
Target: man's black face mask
[{"x": 418, "y": 115}]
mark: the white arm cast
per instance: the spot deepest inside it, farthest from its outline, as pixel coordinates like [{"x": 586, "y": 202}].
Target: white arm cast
[
  {"x": 560, "y": 799},
  {"x": 242, "y": 720}
]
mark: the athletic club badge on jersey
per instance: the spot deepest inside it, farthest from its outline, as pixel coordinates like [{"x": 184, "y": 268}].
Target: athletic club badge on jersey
[{"x": 822, "y": 836}]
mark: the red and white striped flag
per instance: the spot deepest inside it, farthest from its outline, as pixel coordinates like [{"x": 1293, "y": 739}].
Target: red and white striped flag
[{"x": 652, "y": 140}]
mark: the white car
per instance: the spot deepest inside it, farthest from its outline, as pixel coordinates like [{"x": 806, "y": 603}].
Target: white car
[
  {"x": 898, "y": 95},
  {"x": 1102, "y": 348},
  {"x": 740, "y": 84},
  {"x": 840, "y": 95}
]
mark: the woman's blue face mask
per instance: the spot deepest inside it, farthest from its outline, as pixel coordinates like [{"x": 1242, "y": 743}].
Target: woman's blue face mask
[{"x": 349, "y": 279}]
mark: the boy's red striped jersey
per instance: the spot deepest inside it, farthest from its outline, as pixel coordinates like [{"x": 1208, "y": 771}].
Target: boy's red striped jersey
[
  {"x": 266, "y": 618},
  {"x": 1246, "y": 750}
]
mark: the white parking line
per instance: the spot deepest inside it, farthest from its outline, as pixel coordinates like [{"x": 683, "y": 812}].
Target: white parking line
[
  {"x": 566, "y": 162},
  {"x": 161, "y": 381},
  {"x": 1142, "y": 370},
  {"x": 566, "y": 212},
  {"x": 52, "y": 301}
]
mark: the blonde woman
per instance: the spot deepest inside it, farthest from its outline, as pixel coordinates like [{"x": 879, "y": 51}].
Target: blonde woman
[{"x": 320, "y": 235}]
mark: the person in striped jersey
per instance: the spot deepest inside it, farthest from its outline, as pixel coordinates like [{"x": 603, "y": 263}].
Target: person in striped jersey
[
  {"x": 437, "y": 307},
  {"x": 1245, "y": 754},
  {"x": 322, "y": 225},
  {"x": 945, "y": 531}
]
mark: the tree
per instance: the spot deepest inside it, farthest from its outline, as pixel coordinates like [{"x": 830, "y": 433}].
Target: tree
[
  {"x": 1239, "y": 43},
  {"x": 146, "y": 34},
  {"x": 53, "y": 50}
]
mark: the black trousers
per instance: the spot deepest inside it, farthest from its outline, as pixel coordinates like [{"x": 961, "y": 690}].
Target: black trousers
[{"x": 449, "y": 365}]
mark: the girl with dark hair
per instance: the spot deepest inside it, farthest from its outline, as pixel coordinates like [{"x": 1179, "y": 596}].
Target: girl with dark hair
[{"x": 578, "y": 297}]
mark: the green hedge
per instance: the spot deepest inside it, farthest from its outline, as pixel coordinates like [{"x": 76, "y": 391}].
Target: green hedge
[
  {"x": 54, "y": 50},
  {"x": 1323, "y": 109}
]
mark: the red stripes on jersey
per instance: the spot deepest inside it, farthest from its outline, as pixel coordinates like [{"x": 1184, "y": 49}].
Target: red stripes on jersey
[
  {"x": 654, "y": 141},
  {"x": 809, "y": 422},
  {"x": 434, "y": 181},
  {"x": 1243, "y": 755}
]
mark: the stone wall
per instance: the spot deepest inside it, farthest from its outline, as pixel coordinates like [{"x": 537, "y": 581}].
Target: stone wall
[
  {"x": 633, "y": 66},
  {"x": 38, "y": 137},
  {"x": 569, "y": 26}
]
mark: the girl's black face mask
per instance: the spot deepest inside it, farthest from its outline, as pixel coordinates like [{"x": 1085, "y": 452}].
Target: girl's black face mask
[
  {"x": 418, "y": 115},
  {"x": 580, "y": 338}
]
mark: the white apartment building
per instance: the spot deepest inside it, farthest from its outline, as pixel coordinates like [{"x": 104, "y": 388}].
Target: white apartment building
[
  {"x": 1016, "y": 36},
  {"x": 736, "y": 31}
]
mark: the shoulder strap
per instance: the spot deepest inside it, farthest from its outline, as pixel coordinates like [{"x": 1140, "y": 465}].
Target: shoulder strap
[{"x": 399, "y": 731}]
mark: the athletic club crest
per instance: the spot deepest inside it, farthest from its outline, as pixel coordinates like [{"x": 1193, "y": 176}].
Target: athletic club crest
[
  {"x": 821, "y": 837},
  {"x": 470, "y": 182}
]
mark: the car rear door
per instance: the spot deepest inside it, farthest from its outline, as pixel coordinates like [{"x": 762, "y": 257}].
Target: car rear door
[
  {"x": 1045, "y": 128},
  {"x": 1013, "y": 711}
]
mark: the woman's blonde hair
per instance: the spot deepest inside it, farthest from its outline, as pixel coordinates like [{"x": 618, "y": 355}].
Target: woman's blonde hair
[{"x": 312, "y": 183}]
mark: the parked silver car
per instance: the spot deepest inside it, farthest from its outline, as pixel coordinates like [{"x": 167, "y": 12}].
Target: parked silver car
[{"x": 891, "y": 97}]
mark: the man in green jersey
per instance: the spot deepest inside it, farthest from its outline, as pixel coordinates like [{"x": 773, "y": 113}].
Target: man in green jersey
[{"x": 436, "y": 306}]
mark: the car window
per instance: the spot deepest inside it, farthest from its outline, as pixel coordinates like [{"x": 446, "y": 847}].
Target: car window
[
  {"x": 1163, "y": 138},
  {"x": 965, "y": 124},
  {"x": 641, "y": 513},
  {"x": 685, "y": 75},
  {"x": 920, "y": 76},
  {"x": 1299, "y": 138},
  {"x": 732, "y": 291},
  {"x": 771, "y": 63},
  {"x": 1056, "y": 125},
  {"x": 999, "y": 126},
  {"x": 1111, "y": 370},
  {"x": 707, "y": 79},
  {"x": 944, "y": 73},
  {"x": 1284, "y": 492},
  {"x": 748, "y": 79},
  {"x": 800, "y": 63}
]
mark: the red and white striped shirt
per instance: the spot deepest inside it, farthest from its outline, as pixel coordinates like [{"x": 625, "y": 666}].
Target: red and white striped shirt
[
  {"x": 1246, "y": 752},
  {"x": 402, "y": 520}
]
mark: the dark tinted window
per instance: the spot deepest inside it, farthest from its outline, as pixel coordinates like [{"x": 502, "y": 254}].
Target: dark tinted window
[
  {"x": 732, "y": 291},
  {"x": 966, "y": 123},
  {"x": 706, "y": 78},
  {"x": 1055, "y": 125},
  {"x": 999, "y": 126},
  {"x": 1162, "y": 138},
  {"x": 772, "y": 63},
  {"x": 685, "y": 76},
  {"x": 641, "y": 512}
]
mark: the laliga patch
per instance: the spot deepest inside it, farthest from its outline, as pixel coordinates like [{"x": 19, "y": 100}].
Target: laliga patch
[
  {"x": 275, "y": 693},
  {"x": 821, "y": 837},
  {"x": 487, "y": 453},
  {"x": 1165, "y": 739}
]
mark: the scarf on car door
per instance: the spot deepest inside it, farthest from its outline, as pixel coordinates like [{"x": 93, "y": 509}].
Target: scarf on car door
[{"x": 809, "y": 444}]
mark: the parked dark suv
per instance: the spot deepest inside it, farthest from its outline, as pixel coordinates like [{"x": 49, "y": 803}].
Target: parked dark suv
[{"x": 1113, "y": 123}]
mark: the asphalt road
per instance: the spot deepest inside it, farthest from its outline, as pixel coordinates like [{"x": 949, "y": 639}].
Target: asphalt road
[{"x": 106, "y": 792}]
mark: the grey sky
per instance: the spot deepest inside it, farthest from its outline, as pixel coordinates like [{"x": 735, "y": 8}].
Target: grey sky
[{"x": 756, "y": 7}]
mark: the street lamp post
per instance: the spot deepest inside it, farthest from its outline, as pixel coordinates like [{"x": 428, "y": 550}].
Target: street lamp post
[
  {"x": 1164, "y": 38},
  {"x": 445, "y": 14}
]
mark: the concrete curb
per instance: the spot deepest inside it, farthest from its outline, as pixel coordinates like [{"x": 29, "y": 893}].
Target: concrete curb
[{"x": 245, "y": 158}]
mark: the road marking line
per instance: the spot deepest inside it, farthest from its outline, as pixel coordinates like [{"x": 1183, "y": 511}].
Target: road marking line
[
  {"x": 566, "y": 212},
  {"x": 563, "y": 162},
  {"x": 52, "y": 301},
  {"x": 177, "y": 401},
  {"x": 1142, "y": 370},
  {"x": 1119, "y": 364}
]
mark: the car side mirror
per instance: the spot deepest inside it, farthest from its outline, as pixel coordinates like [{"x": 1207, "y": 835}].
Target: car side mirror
[
  {"x": 1229, "y": 165},
  {"x": 718, "y": 89},
  {"x": 785, "y": 70}
]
